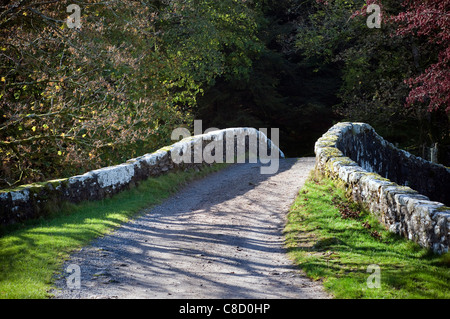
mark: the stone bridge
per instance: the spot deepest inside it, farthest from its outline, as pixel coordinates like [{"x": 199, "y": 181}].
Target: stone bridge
[
  {"x": 407, "y": 193},
  {"x": 229, "y": 145}
]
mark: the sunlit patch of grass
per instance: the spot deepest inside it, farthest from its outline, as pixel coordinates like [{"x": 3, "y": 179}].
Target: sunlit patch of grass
[
  {"x": 335, "y": 240},
  {"x": 31, "y": 254}
]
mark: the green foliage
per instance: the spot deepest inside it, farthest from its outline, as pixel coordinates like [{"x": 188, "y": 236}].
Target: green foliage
[
  {"x": 207, "y": 39},
  {"x": 278, "y": 91},
  {"x": 79, "y": 99},
  {"x": 373, "y": 66},
  {"x": 72, "y": 100}
]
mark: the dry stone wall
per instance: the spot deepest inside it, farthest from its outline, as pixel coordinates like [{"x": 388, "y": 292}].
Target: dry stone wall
[
  {"x": 405, "y": 192},
  {"x": 33, "y": 201}
]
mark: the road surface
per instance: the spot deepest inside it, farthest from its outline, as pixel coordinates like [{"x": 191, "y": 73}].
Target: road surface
[{"x": 219, "y": 237}]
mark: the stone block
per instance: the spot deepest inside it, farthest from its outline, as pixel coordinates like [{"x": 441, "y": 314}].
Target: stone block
[{"x": 407, "y": 193}]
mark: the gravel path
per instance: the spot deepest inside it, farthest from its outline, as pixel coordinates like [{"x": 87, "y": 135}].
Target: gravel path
[{"x": 219, "y": 237}]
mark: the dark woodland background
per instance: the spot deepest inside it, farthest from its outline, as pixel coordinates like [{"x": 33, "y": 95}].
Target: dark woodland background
[{"x": 72, "y": 100}]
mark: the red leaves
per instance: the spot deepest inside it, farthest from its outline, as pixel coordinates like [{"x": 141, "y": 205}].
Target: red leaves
[
  {"x": 376, "y": 235},
  {"x": 430, "y": 20},
  {"x": 345, "y": 210},
  {"x": 425, "y": 18},
  {"x": 432, "y": 86},
  {"x": 363, "y": 11},
  {"x": 348, "y": 213}
]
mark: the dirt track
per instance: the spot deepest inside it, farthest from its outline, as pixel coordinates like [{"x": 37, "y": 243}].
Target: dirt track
[{"x": 220, "y": 237}]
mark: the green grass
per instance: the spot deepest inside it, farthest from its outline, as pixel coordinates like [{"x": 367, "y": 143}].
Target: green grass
[
  {"x": 339, "y": 250},
  {"x": 32, "y": 253}
]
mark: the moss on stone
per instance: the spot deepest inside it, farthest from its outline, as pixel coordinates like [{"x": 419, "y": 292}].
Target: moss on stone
[
  {"x": 37, "y": 187},
  {"x": 376, "y": 176},
  {"x": 33, "y": 188},
  {"x": 343, "y": 160},
  {"x": 329, "y": 139},
  {"x": 58, "y": 182},
  {"x": 443, "y": 209},
  {"x": 330, "y": 152},
  {"x": 164, "y": 149}
]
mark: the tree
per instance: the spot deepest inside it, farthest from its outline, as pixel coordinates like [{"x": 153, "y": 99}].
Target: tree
[
  {"x": 277, "y": 90},
  {"x": 71, "y": 99},
  {"x": 430, "y": 20},
  {"x": 74, "y": 99},
  {"x": 383, "y": 70},
  {"x": 424, "y": 27}
]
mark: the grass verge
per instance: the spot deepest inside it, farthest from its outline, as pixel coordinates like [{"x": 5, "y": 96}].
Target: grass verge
[
  {"x": 335, "y": 240},
  {"x": 31, "y": 253}
]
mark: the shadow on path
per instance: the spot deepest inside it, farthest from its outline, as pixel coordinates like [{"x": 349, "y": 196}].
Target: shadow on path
[{"x": 219, "y": 237}]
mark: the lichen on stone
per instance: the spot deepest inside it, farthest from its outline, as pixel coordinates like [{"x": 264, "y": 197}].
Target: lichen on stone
[{"x": 401, "y": 208}]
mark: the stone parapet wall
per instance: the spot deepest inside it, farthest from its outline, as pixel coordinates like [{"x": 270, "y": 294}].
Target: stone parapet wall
[
  {"x": 33, "y": 201},
  {"x": 383, "y": 177}
]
